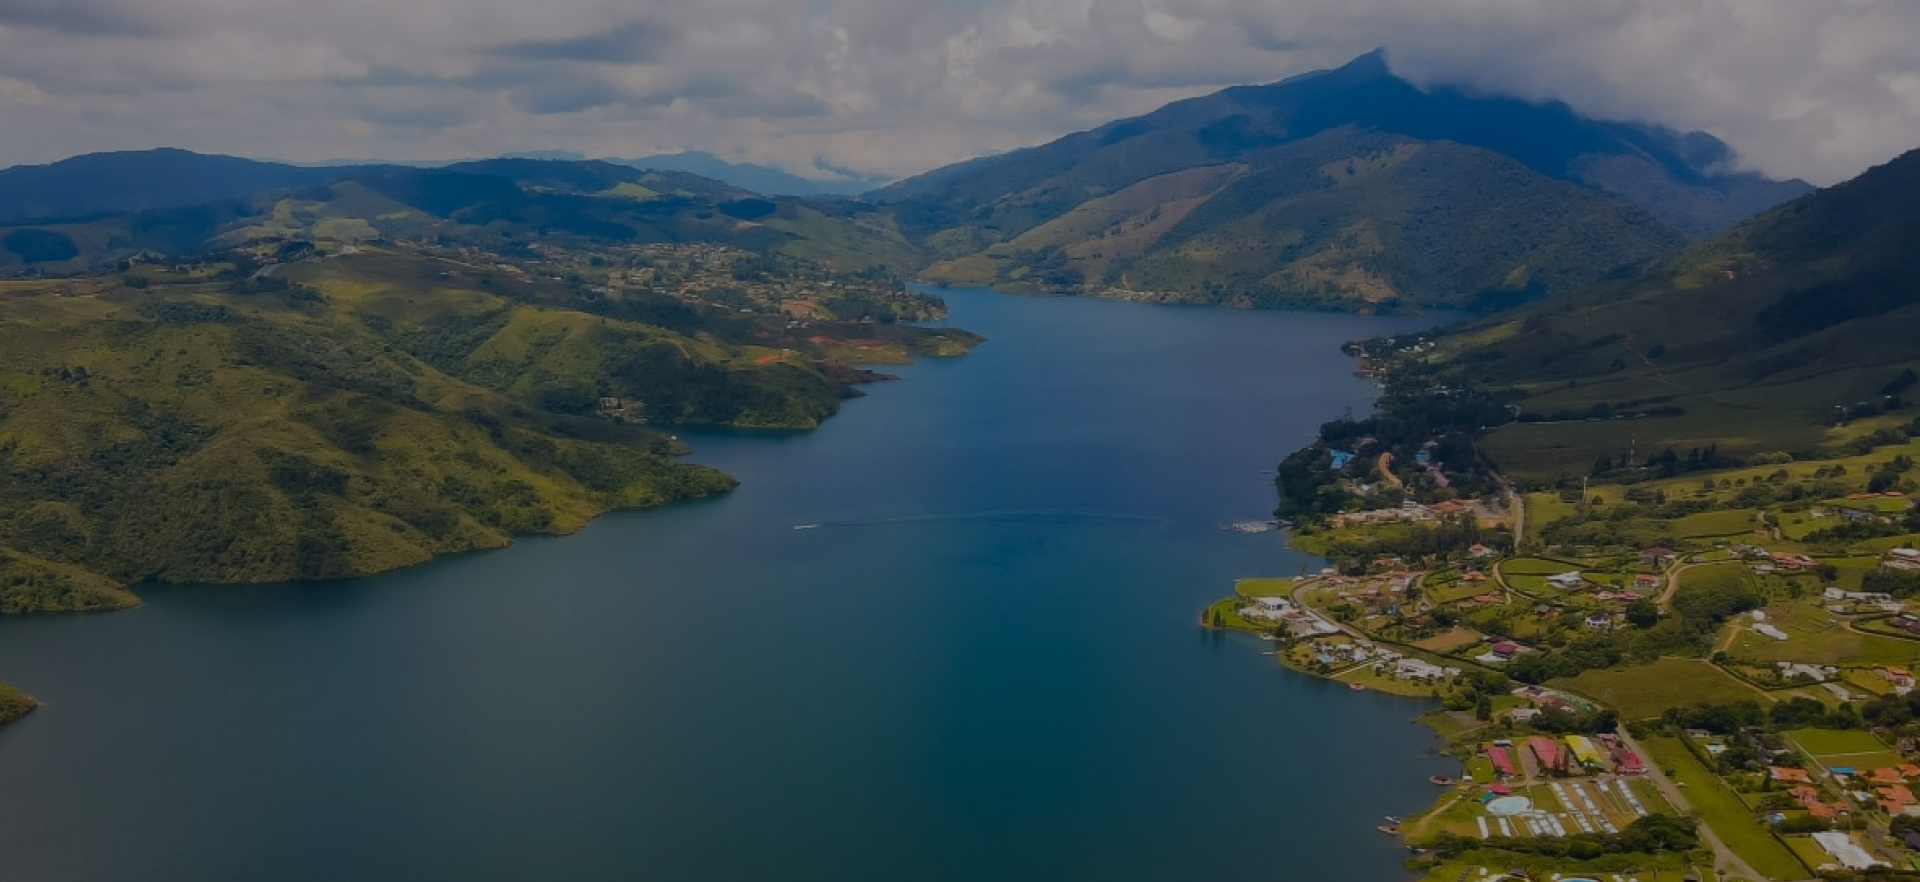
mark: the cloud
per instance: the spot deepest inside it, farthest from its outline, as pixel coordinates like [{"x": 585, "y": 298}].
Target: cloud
[
  {"x": 1818, "y": 90},
  {"x": 630, "y": 43}
]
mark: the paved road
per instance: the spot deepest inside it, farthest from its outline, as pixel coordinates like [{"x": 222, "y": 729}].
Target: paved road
[{"x": 1724, "y": 860}]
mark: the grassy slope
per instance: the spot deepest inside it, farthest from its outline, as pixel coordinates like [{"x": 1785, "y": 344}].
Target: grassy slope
[
  {"x": 1722, "y": 810},
  {"x": 201, "y": 438},
  {"x": 1344, "y": 218},
  {"x": 1755, "y": 336},
  {"x": 1647, "y": 690}
]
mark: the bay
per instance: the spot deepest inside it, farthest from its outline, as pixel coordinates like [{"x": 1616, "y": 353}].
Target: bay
[{"x": 950, "y": 635}]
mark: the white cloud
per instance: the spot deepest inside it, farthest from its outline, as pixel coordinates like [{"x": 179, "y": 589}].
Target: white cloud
[{"x": 1818, "y": 90}]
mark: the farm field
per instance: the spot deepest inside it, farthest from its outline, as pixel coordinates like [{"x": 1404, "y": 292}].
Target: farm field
[
  {"x": 1709, "y": 524},
  {"x": 1815, "y": 636},
  {"x": 1647, "y": 690},
  {"x": 1844, "y": 748}
]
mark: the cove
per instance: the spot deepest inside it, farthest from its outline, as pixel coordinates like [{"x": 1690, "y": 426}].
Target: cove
[{"x": 978, "y": 660}]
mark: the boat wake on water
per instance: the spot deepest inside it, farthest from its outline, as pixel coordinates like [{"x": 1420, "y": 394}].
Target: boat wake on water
[{"x": 1032, "y": 515}]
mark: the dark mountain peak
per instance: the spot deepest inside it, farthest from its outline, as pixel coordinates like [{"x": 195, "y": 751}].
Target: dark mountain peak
[
  {"x": 138, "y": 180},
  {"x": 1365, "y": 68},
  {"x": 1683, "y": 179}
]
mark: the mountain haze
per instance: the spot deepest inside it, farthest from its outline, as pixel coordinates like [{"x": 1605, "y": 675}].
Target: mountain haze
[
  {"x": 1344, "y": 188},
  {"x": 493, "y": 201}
]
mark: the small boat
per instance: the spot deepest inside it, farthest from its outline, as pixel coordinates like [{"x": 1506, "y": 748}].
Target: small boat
[
  {"x": 1392, "y": 820},
  {"x": 1389, "y": 829},
  {"x": 806, "y": 526},
  {"x": 1440, "y": 780},
  {"x": 1357, "y": 687}
]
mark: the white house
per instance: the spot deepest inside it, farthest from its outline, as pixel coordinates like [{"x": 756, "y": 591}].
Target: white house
[{"x": 1567, "y": 580}]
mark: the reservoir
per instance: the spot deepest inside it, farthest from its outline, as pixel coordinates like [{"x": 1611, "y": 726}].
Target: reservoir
[{"x": 980, "y": 659}]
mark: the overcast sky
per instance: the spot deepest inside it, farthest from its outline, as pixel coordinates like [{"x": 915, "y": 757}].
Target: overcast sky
[{"x": 1818, "y": 89}]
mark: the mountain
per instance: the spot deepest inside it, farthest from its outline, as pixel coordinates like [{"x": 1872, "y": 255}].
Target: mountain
[
  {"x": 99, "y": 183},
  {"x": 764, "y": 180},
  {"x": 1791, "y": 332},
  {"x": 527, "y": 201},
  {"x": 1349, "y": 188}
]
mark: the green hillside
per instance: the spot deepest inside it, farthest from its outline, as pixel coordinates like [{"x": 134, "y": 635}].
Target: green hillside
[
  {"x": 339, "y": 415},
  {"x": 1349, "y": 189},
  {"x": 1791, "y": 336},
  {"x": 1343, "y": 220}
]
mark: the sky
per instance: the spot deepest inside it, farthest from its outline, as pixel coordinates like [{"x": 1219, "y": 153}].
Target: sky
[{"x": 1818, "y": 89}]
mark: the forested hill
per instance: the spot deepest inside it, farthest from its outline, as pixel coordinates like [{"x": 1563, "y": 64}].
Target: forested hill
[
  {"x": 1788, "y": 335},
  {"x": 1347, "y": 188},
  {"x": 312, "y": 410}
]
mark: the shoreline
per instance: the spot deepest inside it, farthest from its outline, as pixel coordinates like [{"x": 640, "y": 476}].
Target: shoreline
[
  {"x": 15, "y": 704},
  {"x": 1437, "y": 720}
]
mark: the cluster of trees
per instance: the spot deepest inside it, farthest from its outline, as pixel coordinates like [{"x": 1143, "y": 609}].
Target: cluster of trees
[
  {"x": 1697, "y": 611},
  {"x": 1646, "y": 835},
  {"x": 1415, "y": 411},
  {"x": 1447, "y": 536},
  {"x": 1667, "y": 463},
  {"x": 1899, "y": 583},
  {"x": 1798, "y": 712}
]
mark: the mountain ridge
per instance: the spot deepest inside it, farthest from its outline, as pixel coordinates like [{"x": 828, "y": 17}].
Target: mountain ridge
[{"x": 979, "y": 210}]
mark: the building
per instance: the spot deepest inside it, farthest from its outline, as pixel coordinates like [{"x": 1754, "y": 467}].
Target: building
[
  {"x": 1585, "y": 753},
  {"x": 1843, "y": 849},
  {"x": 1599, "y": 622},
  {"x": 1656, "y": 557},
  {"x": 1420, "y": 669},
  {"x": 1567, "y": 580},
  {"x": 1502, "y": 761},
  {"x": 1548, "y": 753}
]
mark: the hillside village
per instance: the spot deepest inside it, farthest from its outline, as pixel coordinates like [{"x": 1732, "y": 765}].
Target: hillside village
[{"x": 1736, "y": 644}]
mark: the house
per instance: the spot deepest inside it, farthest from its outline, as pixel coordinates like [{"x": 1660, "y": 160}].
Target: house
[
  {"x": 1857, "y": 516},
  {"x": 1599, "y": 622},
  {"x": 1420, "y": 669},
  {"x": 1766, "y": 630},
  {"x": 1567, "y": 580},
  {"x": 1505, "y": 649},
  {"x": 1646, "y": 581},
  {"x": 1656, "y": 557},
  {"x": 1523, "y": 714},
  {"x": 1479, "y": 551},
  {"x": 1789, "y": 775},
  {"x": 1903, "y": 559}
]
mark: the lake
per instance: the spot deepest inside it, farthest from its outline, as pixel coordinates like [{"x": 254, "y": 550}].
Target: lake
[{"x": 984, "y": 661}]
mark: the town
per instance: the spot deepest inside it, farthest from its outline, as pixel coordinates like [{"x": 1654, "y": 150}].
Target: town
[{"x": 1732, "y": 644}]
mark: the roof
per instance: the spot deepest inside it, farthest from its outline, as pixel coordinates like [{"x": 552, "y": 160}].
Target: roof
[{"x": 1546, "y": 749}]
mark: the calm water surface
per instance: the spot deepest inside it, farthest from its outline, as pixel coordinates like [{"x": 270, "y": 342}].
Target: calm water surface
[{"x": 982, "y": 664}]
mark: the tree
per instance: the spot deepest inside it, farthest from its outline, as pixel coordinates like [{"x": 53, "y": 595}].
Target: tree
[{"x": 1643, "y": 614}]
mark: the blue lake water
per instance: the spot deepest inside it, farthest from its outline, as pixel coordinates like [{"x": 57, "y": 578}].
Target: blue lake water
[{"x": 984, "y": 663}]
